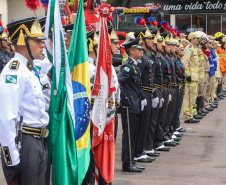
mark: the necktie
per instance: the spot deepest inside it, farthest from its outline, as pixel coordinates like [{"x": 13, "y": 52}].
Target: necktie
[{"x": 37, "y": 75}]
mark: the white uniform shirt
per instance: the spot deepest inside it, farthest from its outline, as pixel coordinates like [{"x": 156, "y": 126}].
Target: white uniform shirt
[
  {"x": 43, "y": 66},
  {"x": 19, "y": 88}
]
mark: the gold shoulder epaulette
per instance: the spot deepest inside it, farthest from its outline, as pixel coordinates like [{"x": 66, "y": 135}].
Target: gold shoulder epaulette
[
  {"x": 46, "y": 86},
  {"x": 14, "y": 64},
  {"x": 43, "y": 56},
  {"x": 7, "y": 155}
]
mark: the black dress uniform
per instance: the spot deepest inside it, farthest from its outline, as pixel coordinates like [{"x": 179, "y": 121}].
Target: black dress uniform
[
  {"x": 157, "y": 72},
  {"x": 165, "y": 66},
  {"x": 147, "y": 78},
  {"x": 180, "y": 95},
  {"x": 176, "y": 89},
  {"x": 129, "y": 78},
  {"x": 172, "y": 91}
]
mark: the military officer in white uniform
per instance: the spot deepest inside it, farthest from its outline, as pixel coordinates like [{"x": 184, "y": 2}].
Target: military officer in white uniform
[{"x": 21, "y": 96}]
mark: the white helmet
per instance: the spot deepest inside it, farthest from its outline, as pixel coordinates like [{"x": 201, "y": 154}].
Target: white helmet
[
  {"x": 130, "y": 36},
  {"x": 202, "y": 34}
]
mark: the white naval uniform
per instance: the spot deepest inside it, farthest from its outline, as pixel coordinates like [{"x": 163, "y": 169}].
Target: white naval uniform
[
  {"x": 92, "y": 70},
  {"x": 43, "y": 66},
  {"x": 19, "y": 88}
]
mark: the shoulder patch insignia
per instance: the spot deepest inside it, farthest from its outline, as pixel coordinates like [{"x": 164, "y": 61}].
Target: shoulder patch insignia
[
  {"x": 151, "y": 61},
  {"x": 190, "y": 46},
  {"x": 139, "y": 61},
  {"x": 46, "y": 86},
  {"x": 127, "y": 69},
  {"x": 14, "y": 64},
  {"x": 7, "y": 155},
  {"x": 188, "y": 50},
  {"x": 11, "y": 79},
  {"x": 43, "y": 56}
]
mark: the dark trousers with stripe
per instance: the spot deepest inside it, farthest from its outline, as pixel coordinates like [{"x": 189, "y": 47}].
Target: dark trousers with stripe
[
  {"x": 133, "y": 121},
  {"x": 152, "y": 124},
  {"x": 169, "y": 116},
  {"x": 144, "y": 121},
  {"x": 176, "y": 116},
  {"x": 161, "y": 129},
  {"x": 33, "y": 161}
]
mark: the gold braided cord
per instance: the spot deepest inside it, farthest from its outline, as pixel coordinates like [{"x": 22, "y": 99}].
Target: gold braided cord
[
  {"x": 140, "y": 35},
  {"x": 90, "y": 44},
  {"x": 43, "y": 27},
  {"x": 27, "y": 32}
]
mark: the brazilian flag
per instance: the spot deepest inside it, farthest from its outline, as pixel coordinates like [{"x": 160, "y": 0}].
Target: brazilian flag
[{"x": 79, "y": 66}]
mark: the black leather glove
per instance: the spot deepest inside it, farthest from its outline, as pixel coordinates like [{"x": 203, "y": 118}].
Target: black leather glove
[
  {"x": 125, "y": 102},
  {"x": 16, "y": 171},
  {"x": 188, "y": 79}
]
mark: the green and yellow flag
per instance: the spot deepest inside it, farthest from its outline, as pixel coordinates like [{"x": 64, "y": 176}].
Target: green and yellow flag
[
  {"x": 79, "y": 66},
  {"x": 62, "y": 146}
]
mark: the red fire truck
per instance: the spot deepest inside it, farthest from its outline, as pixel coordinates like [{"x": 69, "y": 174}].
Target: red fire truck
[{"x": 123, "y": 18}]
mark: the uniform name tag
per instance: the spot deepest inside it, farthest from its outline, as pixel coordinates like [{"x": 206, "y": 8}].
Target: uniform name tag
[{"x": 11, "y": 79}]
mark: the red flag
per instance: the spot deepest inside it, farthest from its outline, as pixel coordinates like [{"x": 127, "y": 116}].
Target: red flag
[{"x": 104, "y": 104}]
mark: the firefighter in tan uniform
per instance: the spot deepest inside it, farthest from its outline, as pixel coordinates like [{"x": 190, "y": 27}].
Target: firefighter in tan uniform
[
  {"x": 201, "y": 84},
  {"x": 191, "y": 64}
]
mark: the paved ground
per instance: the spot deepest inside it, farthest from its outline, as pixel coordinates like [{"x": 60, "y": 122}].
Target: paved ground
[{"x": 198, "y": 160}]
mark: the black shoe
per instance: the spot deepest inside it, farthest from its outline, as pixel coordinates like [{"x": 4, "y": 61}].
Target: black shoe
[
  {"x": 215, "y": 102},
  {"x": 163, "y": 148},
  {"x": 205, "y": 111},
  {"x": 198, "y": 116},
  {"x": 181, "y": 130},
  {"x": 144, "y": 159},
  {"x": 170, "y": 143},
  {"x": 209, "y": 109},
  {"x": 213, "y": 106},
  {"x": 140, "y": 167},
  {"x": 177, "y": 139},
  {"x": 216, "y": 99},
  {"x": 127, "y": 168},
  {"x": 178, "y": 135},
  {"x": 152, "y": 153},
  {"x": 193, "y": 120},
  {"x": 202, "y": 114}
]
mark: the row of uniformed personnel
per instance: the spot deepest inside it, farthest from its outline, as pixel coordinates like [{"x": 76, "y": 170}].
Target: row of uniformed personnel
[
  {"x": 159, "y": 73},
  {"x": 152, "y": 81},
  {"x": 152, "y": 86}
]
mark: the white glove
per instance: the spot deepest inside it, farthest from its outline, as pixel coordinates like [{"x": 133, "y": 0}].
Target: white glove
[
  {"x": 143, "y": 103},
  {"x": 155, "y": 102},
  {"x": 170, "y": 98},
  {"x": 161, "y": 102}
]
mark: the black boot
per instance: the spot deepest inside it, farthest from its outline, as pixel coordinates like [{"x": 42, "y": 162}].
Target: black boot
[{"x": 201, "y": 105}]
